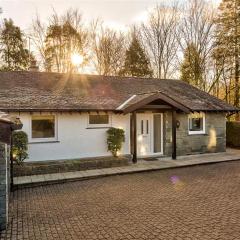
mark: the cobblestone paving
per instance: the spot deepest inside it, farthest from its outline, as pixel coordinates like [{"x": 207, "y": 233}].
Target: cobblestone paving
[{"x": 201, "y": 202}]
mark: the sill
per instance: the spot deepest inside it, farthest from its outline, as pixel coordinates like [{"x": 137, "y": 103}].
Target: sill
[
  {"x": 193, "y": 134},
  {"x": 39, "y": 142},
  {"x": 150, "y": 155}
]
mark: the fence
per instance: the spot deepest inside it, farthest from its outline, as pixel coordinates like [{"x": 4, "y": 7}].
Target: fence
[
  {"x": 4, "y": 184},
  {"x": 5, "y": 142}
]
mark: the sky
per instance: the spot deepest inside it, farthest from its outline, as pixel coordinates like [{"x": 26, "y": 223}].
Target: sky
[{"x": 116, "y": 13}]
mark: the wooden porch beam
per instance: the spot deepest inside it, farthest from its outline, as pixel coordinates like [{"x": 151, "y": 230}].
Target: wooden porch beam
[
  {"x": 174, "y": 137},
  {"x": 134, "y": 136},
  {"x": 156, "y": 107}
]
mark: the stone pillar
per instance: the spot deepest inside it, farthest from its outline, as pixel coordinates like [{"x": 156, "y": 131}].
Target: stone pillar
[{"x": 4, "y": 184}]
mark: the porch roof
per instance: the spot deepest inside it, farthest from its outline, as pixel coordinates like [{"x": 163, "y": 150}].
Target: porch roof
[{"x": 140, "y": 100}]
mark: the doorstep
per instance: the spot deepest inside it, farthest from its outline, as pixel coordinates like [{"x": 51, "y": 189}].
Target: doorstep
[{"x": 140, "y": 166}]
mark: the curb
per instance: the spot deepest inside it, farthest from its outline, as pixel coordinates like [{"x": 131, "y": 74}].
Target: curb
[{"x": 59, "y": 181}]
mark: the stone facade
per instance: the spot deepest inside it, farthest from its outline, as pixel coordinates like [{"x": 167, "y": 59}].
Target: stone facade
[{"x": 214, "y": 139}]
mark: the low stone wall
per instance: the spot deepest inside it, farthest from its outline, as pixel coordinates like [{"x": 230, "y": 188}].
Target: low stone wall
[
  {"x": 214, "y": 139},
  {"x": 47, "y": 167}
]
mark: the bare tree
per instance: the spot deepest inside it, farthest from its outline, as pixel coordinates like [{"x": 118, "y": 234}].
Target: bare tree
[
  {"x": 37, "y": 37},
  {"x": 159, "y": 35},
  {"x": 197, "y": 28},
  {"x": 108, "y": 48},
  {"x": 63, "y": 36},
  {"x": 227, "y": 50}
]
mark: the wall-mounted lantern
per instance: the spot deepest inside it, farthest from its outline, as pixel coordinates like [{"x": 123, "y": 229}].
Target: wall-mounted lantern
[{"x": 177, "y": 123}]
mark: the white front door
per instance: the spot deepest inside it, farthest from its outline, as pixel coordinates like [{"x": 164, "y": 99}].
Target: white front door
[{"x": 144, "y": 134}]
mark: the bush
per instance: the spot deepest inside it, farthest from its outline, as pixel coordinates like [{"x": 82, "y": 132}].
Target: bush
[
  {"x": 115, "y": 138},
  {"x": 233, "y": 134},
  {"x": 19, "y": 146}
]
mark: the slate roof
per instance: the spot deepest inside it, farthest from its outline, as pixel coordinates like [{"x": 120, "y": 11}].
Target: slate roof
[{"x": 29, "y": 91}]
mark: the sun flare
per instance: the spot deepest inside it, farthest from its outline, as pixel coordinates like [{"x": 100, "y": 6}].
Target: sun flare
[{"x": 76, "y": 59}]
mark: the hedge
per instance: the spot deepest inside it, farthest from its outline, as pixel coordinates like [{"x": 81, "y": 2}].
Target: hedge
[
  {"x": 19, "y": 146},
  {"x": 233, "y": 134},
  {"x": 115, "y": 139}
]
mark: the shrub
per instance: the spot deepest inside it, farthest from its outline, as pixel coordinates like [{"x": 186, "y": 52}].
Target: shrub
[
  {"x": 19, "y": 146},
  {"x": 233, "y": 134},
  {"x": 115, "y": 138}
]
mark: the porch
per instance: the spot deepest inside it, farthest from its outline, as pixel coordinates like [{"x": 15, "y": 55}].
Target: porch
[
  {"x": 148, "y": 136},
  {"x": 143, "y": 165},
  {"x": 184, "y": 131}
]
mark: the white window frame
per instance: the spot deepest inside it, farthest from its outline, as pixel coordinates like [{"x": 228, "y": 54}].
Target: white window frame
[
  {"x": 54, "y": 139},
  {"x": 99, "y": 125},
  {"x": 204, "y": 125}
]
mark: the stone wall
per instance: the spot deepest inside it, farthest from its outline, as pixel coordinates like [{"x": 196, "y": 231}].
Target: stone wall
[
  {"x": 214, "y": 139},
  {"x": 61, "y": 166},
  {"x": 4, "y": 184}
]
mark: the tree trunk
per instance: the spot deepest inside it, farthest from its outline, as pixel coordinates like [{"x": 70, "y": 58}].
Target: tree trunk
[{"x": 236, "y": 92}]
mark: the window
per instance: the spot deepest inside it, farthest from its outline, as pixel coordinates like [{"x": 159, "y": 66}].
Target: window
[
  {"x": 43, "y": 127},
  {"x": 141, "y": 126},
  {"x": 157, "y": 133},
  {"x": 196, "y": 123},
  {"x": 99, "y": 120}
]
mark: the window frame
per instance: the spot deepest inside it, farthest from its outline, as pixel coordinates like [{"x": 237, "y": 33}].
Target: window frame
[
  {"x": 52, "y": 139},
  {"x": 203, "y": 131},
  {"x": 89, "y": 125}
]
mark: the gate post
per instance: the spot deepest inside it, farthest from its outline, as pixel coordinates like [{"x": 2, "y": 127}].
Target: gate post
[{"x": 4, "y": 184}]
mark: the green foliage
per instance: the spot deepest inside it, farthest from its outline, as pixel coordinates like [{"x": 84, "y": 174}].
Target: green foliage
[
  {"x": 14, "y": 55},
  {"x": 191, "y": 68},
  {"x": 233, "y": 134},
  {"x": 136, "y": 63},
  {"x": 115, "y": 138},
  {"x": 19, "y": 146},
  {"x": 227, "y": 50}
]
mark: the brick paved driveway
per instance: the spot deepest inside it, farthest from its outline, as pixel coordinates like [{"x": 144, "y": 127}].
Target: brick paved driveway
[{"x": 200, "y": 202}]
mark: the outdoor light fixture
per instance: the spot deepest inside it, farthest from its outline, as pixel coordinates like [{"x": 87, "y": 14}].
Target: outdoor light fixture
[{"x": 177, "y": 123}]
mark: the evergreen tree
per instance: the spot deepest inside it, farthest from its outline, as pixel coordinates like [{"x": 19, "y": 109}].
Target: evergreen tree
[
  {"x": 136, "y": 63},
  {"x": 14, "y": 55},
  {"x": 191, "y": 68},
  {"x": 228, "y": 42}
]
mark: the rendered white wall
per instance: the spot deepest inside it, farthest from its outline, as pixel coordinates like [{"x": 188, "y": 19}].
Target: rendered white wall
[{"x": 75, "y": 140}]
